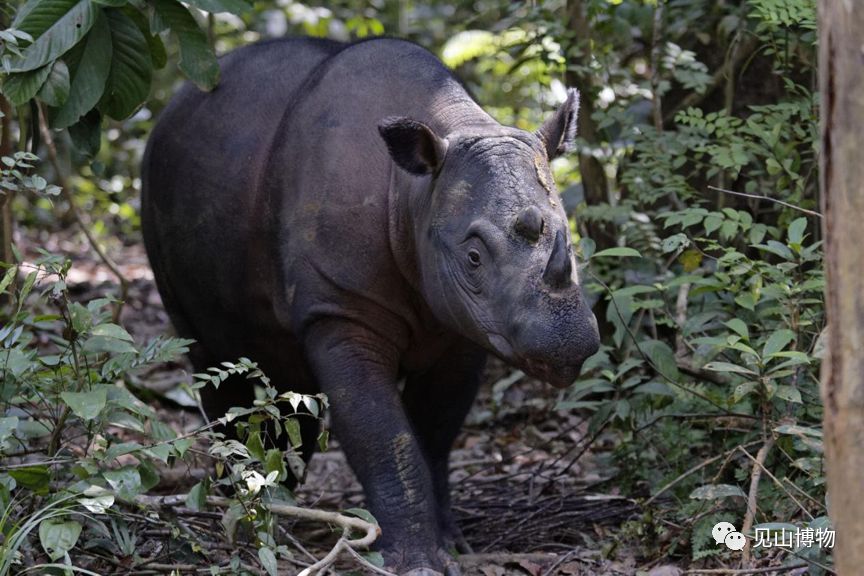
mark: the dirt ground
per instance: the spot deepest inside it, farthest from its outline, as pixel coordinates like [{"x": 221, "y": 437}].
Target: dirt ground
[{"x": 530, "y": 487}]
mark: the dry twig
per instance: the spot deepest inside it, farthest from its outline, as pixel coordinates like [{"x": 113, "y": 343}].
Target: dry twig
[
  {"x": 768, "y": 198},
  {"x": 761, "y": 455},
  {"x": 347, "y": 523}
]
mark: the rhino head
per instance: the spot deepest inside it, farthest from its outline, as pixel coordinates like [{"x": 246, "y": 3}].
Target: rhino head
[{"x": 492, "y": 241}]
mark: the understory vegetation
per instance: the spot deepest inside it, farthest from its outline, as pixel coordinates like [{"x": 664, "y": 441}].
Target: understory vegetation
[{"x": 694, "y": 201}]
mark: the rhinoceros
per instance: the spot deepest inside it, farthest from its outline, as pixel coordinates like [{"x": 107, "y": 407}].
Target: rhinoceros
[{"x": 347, "y": 216}]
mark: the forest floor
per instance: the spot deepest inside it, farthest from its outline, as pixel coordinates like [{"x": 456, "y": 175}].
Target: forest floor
[{"x": 531, "y": 486}]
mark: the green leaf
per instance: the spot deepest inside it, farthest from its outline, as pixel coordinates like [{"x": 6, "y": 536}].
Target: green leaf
[
  {"x": 105, "y": 344},
  {"x": 98, "y": 500},
  {"x": 777, "y": 342},
  {"x": 148, "y": 474},
  {"x": 160, "y": 452},
  {"x": 35, "y": 478},
  {"x": 292, "y": 427},
  {"x": 112, "y": 331},
  {"x": 89, "y": 66},
  {"x": 128, "y": 83},
  {"x": 21, "y": 87},
  {"x": 8, "y": 277},
  {"x": 796, "y": 231},
  {"x": 743, "y": 390},
  {"x": 728, "y": 229},
  {"x": 716, "y": 492},
  {"x": 197, "y": 59},
  {"x": 86, "y": 405},
  {"x": 58, "y": 537},
  {"x": 777, "y": 248},
  {"x": 728, "y": 367},
  {"x": 788, "y": 393},
  {"x": 619, "y": 252},
  {"x": 158, "y": 56},
  {"x": 255, "y": 446},
  {"x": 197, "y": 497},
  {"x": 55, "y": 90},
  {"x": 798, "y": 430},
  {"x": 662, "y": 357},
  {"x": 57, "y": 26},
  {"x": 8, "y": 424},
  {"x": 739, "y": 327},
  {"x": 268, "y": 561},
  {"x": 323, "y": 440},
  {"x": 125, "y": 481},
  {"x": 121, "y": 449},
  {"x": 218, "y": 6},
  {"x": 712, "y": 223}
]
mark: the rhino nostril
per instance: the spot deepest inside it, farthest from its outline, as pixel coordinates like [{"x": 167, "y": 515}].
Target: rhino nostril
[{"x": 529, "y": 223}]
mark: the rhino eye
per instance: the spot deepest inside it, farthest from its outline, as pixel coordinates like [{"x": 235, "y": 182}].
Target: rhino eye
[{"x": 474, "y": 257}]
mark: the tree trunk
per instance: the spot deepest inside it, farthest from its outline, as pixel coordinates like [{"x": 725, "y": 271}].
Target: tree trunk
[
  {"x": 5, "y": 197},
  {"x": 578, "y": 56},
  {"x": 841, "y": 86}
]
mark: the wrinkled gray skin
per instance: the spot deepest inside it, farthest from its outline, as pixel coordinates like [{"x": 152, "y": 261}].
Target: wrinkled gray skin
[{"x": 347, "y": 216}]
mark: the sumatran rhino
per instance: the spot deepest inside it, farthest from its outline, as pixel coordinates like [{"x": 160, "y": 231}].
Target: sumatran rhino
[{"x": 348, "y": 217}]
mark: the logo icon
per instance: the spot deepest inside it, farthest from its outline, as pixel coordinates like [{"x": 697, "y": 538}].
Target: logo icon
[{"x": 725, "y": 533}]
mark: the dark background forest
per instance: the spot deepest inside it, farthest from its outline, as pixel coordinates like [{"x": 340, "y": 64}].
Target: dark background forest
[{"x": 693, "y": 197}]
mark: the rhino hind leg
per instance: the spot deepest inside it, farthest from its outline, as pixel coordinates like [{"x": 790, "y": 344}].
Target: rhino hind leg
[{"x": 437, "y": 402}]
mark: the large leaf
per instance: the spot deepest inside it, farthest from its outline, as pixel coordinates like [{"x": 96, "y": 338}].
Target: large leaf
[
  {"x": 89, "y": 65},
  {"x": 20, "y": 88},
  {"x": 56, "y": 25},
  {"x": 777, "y": 342},
  {"x": 35, "y": 478},
  {"x": 86, "y": 405},
  {"x": 716, "y": 492},
  {"x": 55, "y": 91},
  {"x": 618, "y": 252},
  {"x": 216, "y": 6},
  {"x": 128, "y": 82},
  {"x": 197, "y": 60},
  {"x": 662, "y": 357},
  {"x": 58, "y": 536},
  {"x": 158, "y": 56}
]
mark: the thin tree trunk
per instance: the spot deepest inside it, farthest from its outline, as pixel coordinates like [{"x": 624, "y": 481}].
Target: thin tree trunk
[
  {"x": 578, "y": 55},
  {"x": 841, "y": 85},
  {"x": 6, "y": 149}
]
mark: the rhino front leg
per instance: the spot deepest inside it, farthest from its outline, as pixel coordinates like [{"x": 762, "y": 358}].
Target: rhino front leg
[
  {"x": 437, "y": 402},
  {"x": 358, "y": 372}
]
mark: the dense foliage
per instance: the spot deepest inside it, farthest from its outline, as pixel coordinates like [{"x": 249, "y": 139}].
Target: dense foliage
[{"x": 693, "y": 196}]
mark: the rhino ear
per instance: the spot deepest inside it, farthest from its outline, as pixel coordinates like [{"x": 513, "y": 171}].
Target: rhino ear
[
  {"x": 559, "y": 130},
  {"x": 413, "y": 145}
]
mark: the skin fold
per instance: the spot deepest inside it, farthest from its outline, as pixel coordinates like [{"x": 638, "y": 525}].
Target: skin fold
[{"x": 349, "y": 218}]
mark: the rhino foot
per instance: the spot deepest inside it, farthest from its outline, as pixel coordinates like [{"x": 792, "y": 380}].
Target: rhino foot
[{"x": 438, "y": 563}]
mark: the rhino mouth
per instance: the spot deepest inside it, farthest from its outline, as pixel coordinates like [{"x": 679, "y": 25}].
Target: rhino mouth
[
  {"x": 542, "y": 369},
  {"x": 557, "y": 376}
]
